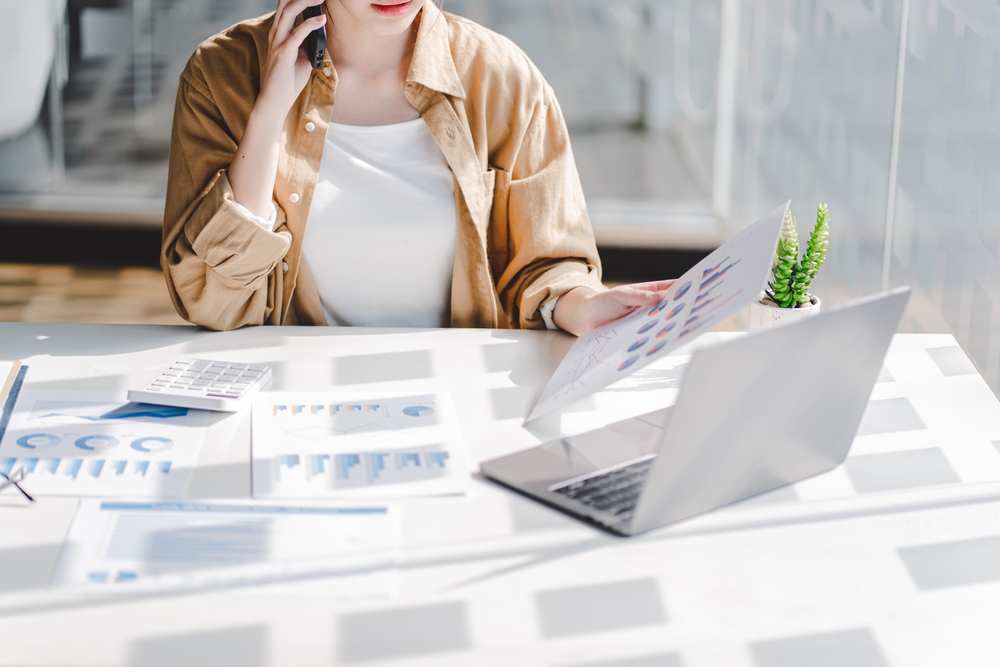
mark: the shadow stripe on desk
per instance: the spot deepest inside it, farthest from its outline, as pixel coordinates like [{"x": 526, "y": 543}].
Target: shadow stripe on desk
[
  {"x": 950, "y": 564},
  {"x": 245, "y": 646},
  {"x": 394, "y": 633},
  {"x": 584, "y": 610},
  {"x": 856, "y": 647},
  {"x": 659, "y": 660}
]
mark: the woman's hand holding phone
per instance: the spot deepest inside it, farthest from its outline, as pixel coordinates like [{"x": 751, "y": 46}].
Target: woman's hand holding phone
[
  {"x": 288, "y": 67},
  {"x": 287, "y": 72}
]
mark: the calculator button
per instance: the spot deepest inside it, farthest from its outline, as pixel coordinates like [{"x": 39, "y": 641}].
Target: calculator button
[
  {"x": 258, "y": 367},
  {"x": 224, "y": 395}
]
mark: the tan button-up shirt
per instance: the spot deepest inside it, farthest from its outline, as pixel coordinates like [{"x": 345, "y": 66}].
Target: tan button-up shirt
[{"x": 523, "y": 233}]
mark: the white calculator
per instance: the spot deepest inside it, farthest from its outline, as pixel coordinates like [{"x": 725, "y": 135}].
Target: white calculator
[{"x": 204, "y": 385}]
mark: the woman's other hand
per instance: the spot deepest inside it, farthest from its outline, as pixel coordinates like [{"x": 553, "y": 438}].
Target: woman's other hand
[{"x": 582, "y": 309}]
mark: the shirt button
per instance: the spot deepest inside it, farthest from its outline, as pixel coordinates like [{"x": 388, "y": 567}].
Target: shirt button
[
  {"x": 294, "y": 198},
  {"x": 326, "y": 71},
  {"x": 310, "y": 126},
  {"x": 284, "y": 266}
]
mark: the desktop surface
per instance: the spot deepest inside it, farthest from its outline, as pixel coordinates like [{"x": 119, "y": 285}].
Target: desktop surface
[{"x": 890, "y": 559}]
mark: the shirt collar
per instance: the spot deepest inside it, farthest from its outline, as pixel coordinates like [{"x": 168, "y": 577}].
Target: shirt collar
[{"x": 432, "y": 65}]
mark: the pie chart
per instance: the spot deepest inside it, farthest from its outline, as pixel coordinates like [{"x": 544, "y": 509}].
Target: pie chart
[
  {"x": 95, "y": 442},
  {"x": 675, "y": 312},
  {"x": 418, "y": 411},
  {"x": 683, "y": 290},
  {"x": 628, "y": 362},
  {"x": 656, "y": 348},
  {"x": 665, "y": 330},
  {"x": 646, "y": 327},
  {"x": 152, "y": 444},
  {"x": 38, "y": 440},
  {"x": 655, "y": 310},
  {"x": 639, "y": 343}
]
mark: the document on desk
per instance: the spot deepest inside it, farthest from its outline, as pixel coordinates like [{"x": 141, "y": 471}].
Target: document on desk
[
  {"x": 717, "y": 287},
  {"x": 336, "y": 444},
  {"x": 76, "y": 443},
  {"x": 126, "y": 546}
]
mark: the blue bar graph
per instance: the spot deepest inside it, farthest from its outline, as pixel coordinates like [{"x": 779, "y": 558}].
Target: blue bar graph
[
  {"x": 120, "y": 467},
  {"x": 142, "y": 467},
  {"x": 377, "y": 464},
  {"x": 360, "y": 469},
  {"x": 406, "y": 458},
  {"x": 7, "y": 465},
  {"x": 74, "y": 468},
  {"x": 288, "y": 460},
  {"x": 437, "y": 459},
  {"x": 164, "y": 467},
  {"x": 96, "y": 467},
  {"x": 54, "y": 465},
  {"x": 344, "y": 463},
  {"x": 317, "y": 464}
]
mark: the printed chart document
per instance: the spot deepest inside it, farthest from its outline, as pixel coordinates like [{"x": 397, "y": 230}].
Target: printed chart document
[
  {"x": 717, "y": 287},
  {"x": 334, "y": 444},
  {"x": 76, "y": 443},
  {"x": 118, "y": 547}
]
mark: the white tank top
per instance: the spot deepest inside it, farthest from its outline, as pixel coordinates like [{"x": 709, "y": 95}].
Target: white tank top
[{"x": 380, "y": 241}]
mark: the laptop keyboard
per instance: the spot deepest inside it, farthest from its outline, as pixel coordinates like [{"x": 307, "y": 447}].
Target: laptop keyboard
[{"x": 615, "y": 491}]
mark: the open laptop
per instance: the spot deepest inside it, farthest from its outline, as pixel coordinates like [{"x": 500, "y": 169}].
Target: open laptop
[{"x": 753, "y": 414}]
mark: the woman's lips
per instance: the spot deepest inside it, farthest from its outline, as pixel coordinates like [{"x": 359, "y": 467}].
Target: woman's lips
[{"x": 397, "y": 9}]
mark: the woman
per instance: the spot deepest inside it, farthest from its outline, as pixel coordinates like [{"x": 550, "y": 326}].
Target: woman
[{"x": 439, "y": 190}]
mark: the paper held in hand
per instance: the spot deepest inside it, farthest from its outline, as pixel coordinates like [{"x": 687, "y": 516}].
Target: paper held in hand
[{"x": 717, "y": 287}]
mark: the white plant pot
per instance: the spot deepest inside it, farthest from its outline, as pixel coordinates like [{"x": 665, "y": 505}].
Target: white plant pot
[{"x": 764, "y": 313}]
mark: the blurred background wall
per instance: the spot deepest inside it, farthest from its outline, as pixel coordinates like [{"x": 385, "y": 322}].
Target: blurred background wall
[{"x": 689, "y": 119}]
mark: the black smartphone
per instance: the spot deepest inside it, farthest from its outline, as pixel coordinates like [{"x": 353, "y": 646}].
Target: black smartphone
[{"x": 316, "y": 41}]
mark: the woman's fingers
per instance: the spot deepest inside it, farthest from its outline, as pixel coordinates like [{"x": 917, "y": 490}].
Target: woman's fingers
[
  {"x": 285, "y": 16},
  {"x": 300, "y": 33},
  {"x": 654, "y": 286},
  {"x": 635, "y": 295}
]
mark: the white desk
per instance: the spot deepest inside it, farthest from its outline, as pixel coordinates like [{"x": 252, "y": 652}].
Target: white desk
[{"x": 837, "y": 567}]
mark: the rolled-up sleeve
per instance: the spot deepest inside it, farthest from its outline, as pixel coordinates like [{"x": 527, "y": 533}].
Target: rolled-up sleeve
[{"x": 220, "y": 265}]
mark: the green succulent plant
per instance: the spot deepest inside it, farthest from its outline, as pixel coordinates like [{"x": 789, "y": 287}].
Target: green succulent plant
[{"x": 792, "y": 276}]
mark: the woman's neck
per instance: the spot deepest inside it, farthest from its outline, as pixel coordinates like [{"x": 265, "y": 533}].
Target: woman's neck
[{"x": 353, "y": 47}]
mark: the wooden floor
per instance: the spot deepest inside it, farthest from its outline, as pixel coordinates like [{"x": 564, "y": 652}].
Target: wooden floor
[{"x": 39, "y": 293}]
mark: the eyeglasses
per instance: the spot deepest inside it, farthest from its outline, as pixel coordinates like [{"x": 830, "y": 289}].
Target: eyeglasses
[{"x": 15, "y": 479}]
